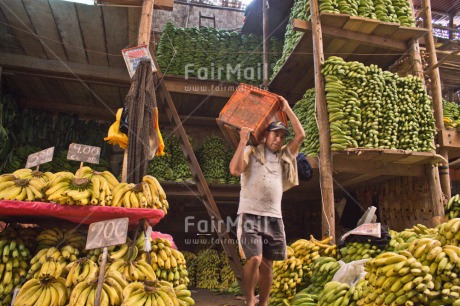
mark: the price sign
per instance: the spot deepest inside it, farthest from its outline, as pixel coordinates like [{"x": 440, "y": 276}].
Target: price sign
[
  {"x": 107, "y": 233},
  {"x": 84, "y": 153},
  {"x": 39, "y": 158}
]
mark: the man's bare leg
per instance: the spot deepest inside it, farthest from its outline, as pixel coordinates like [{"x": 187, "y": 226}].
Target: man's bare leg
[
  {"x": 265, "y": 280},
  {"x": 250, "y": 274}
]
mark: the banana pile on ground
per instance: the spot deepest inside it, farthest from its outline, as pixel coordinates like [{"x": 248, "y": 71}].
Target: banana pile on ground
[
  {"x": 42, "y": 292},
  {"x": 337, "y": 294},
  {"x": 401, "y": 240},
  {"x": 304, "y": 298},
  {"x": 370, "y": 108},
  {"x": 168, "y": 263},
  {"x": 300, "y": 10},
  {"x": 208, "y": 269},
  {"x": 191, "y": 261},
  {"x": 452, "y": 208},
  {"x": 14, "y": 261},
  {"x": 451, "y": 112},
  {"x": 449, "y": 232},
  {"x": 147, "y": 194},
  {"x": 356, "y": 250},
  {"x": 24, "y": 185},
  {"x": 287, "y": 274},
  {"x": 305, "y": 111},
  {"x": 227, "y": 277},
  {"x": 213, "y": 160},
  {"x": 156, "y": 293},
  {"x": 55, "y": 237}
]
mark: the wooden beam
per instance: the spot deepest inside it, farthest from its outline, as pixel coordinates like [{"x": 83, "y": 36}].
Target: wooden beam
[
  {"x": 442, "y": 61},
  {"x": 145, "y": 25},
  {"x": 325, "y": 155},
  {"x": 166, "y": 5},
  {"x": 377, "y": 168},
  {"x": 358, "y": 180},
  {"x": 365, "y": 39}
]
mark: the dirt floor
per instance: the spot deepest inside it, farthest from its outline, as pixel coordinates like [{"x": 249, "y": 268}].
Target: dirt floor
[{"x": 205, "y": 297}]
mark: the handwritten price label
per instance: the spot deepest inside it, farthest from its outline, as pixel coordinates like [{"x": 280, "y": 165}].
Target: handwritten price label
[
  {"x": 84, "y": 153},
  {"x": 107, "y": 233},
  {"x": 39, "y": 158}
]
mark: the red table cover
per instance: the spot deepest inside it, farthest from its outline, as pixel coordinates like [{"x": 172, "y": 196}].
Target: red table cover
[{"x": 79, "y": 214}]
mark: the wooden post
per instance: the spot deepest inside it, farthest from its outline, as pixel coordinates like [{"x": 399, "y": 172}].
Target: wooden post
[
  {"x": 436, "y": 94},
  {"x": 265, "y": 42},
  {"x": 431, "y": 171},
  {"x": 325, "y": 155}
]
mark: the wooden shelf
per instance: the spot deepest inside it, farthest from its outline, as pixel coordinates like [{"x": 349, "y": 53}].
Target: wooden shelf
[
  {"x": 350, "y": 37},
  {"x": 450, "y": 140}
]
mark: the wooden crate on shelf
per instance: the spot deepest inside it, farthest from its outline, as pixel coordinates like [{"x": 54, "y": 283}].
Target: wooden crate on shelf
[{"x": 401, "y": 202}]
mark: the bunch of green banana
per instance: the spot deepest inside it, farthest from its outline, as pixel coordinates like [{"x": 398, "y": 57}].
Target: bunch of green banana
[
  {"x": 398, "y": 278},
  {"x": 191, "y": 262},
  {"x": 14, "y": 258},
  {"x": 213, "y": 160},
  {"x": 227, "y": 277},
  {"x": 322, "y": 271},
  {"x": 370, "y": 108},
  {"x": 184, "y": 295},
  {"x": 152, "y": 293},
  {"x": 287, "y": 275},
  {"x": 23, "y": 185},
  {"x": 403, "y": 12},
  {"x": 304, "y": 298},
  {"x": 336, "y": 294},
  {"x": 401, "y": 240},
  {"x": 356, "y": 250},
  {"x": 54, "y": 237},
  {"x": 147, "y": 194},
  {"x": 179, "y": 164},
  {"x": 38, "y": 292},
  {"x": 305, "y": 110},
  {"x": 449, "y": 232},
  {"x": 168, "y": 263},
  {"x": 451, "y": 112},
  {"x": 160, "y": 167},
  {"x": 208, "y": 269},
  {"x": 452, "y": 208}
]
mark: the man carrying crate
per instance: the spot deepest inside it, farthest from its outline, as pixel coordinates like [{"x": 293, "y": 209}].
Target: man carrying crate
[{"x": 266, "y": 170}]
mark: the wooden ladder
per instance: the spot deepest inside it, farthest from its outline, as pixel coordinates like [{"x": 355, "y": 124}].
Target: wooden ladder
[{"x": 203, "y": 187}]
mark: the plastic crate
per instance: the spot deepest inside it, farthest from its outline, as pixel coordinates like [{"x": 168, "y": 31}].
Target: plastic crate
[{"x": 251, "y": 107}]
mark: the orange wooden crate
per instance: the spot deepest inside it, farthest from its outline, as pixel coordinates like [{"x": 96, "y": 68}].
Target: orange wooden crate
[{"x": 251, "y": 107}]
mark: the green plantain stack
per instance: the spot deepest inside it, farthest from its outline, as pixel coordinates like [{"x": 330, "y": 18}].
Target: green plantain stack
[
  {"x": 451, "y": 113},
  {"x": 356, "y": 250},
  {"x": 14, "y": 262},
  {"x": 208, "y": 269},
  {"x": 452, "y": 208},
  {"x": 160, "y": 167},
  {"x": 400, "y": 240},
  {"x": 305, "y": 111},
  {"x": 227, "y": 277},
  {"x": 337, "y": 294},
  {"x": 370, "y": 108},
  {"x": 304, "y": 298},
  {"x": 191, "y": 261},
  {"x": 179, "y": 165},
  {"x": 322, "y": 271},
  {"x": 213, "y": 159}
]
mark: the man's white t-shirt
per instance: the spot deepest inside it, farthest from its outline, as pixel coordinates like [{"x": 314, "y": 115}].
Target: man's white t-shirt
[{"x": 262, "y": 185}]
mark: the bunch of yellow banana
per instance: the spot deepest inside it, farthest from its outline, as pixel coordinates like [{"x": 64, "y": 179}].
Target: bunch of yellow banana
[
  {"x": 356, "y": 250},
  {"x": 53, "y": 237},
  {"x": 401, "y": 240},
  {"x": 42, "y": 293},
  {"x": 336, "y": 294},
  {"x": 133, "y": 271},
  {"x": 449, "y": 232},
  {"x": 147, "y": 194},
  {"x": 49, "y": 263},
  {"x": 397, "y": 278},
  {"x": 24, "y": 185},
  {"x": 102, "y": 184},
  {"x": 65, "y": 188},
  {"x": 227, "y": 277},
  {"x": 184, "y": 295},
  {"x": 168, "y": 263},
  {"x": 150, "y": 293},
  {"x": 14, "y": 258},
  {"x": 287, "y": 274},
  {"x": 191, "y": 262},
  {"x": 28, "y": 236},
  {"x": 208, "y": 269},
  {"x": 82, "y": 270}
]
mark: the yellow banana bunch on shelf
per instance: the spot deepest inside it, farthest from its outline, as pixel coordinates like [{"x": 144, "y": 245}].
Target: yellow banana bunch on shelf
[
  {"x": 23, "y": 185},
  {"x": 133, "y": 271},
  {"x": 150, "y": 293},
  {"x": 82, "y": 270},
  {"x": 42, "y": 293},
  {"x": 147, "y": 194},
  {"x": 168, "y": 263},
  {"x": 53, "y": 237},
  {"x": 51, "y": 262}
]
